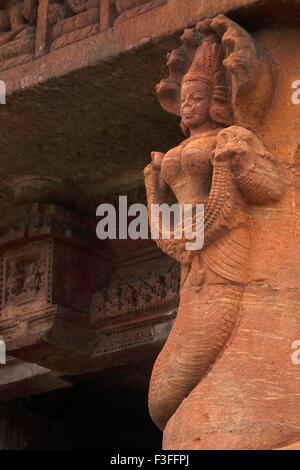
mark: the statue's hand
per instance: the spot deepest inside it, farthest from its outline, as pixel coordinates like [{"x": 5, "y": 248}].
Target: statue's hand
[
  {"x": 153, "y": 176},
  {"x": 155, "y": 165},
  {"x": 238, "y": 155},
  {"x": 242, "y": 160},
  {"x": 157, "y": 158},
  {"x": 233, "y": 148},
  {"x": 252, "y": 166}
]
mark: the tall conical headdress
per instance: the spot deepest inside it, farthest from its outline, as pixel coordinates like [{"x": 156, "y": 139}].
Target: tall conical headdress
[
  {"x": 207, "y": 64},
  {"x": 200, "y": 58}
]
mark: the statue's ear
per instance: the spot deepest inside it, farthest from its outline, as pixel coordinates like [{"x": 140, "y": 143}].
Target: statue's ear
[{"x": 249, "y": 72}]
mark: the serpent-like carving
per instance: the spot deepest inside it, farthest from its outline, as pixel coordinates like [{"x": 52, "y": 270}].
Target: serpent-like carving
[{"x": 223, "y": 165}]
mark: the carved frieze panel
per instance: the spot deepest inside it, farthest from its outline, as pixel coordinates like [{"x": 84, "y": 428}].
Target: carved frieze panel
[
  {"x": 28, "y": 28},
  {"x": 50, "y": 264},
  {"x": 138, "y": 293},
  {"x": 40, "y": 220},
  {"x": 26, "y": 279},
  {"x": 73, "y": 20},
  {"x": 129, "y": 8},
  {"x": 18, "y": 20},
  {"x": 134, "y": 336}
]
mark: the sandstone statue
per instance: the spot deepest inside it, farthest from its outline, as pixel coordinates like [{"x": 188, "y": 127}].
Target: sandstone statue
[{"x": 221, "y": 86}]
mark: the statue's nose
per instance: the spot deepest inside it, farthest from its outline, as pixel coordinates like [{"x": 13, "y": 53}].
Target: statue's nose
[{"x": 186, "y": 104}]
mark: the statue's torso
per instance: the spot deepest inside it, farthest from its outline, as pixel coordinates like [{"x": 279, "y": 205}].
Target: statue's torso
[{"x": 187, "y": 169}]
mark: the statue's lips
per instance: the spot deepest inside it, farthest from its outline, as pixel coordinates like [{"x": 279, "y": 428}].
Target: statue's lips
[{"x": 186, "y": 116}]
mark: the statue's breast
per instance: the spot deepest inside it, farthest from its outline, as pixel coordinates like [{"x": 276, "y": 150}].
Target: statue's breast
[
  {"x": 189, "y": 166},
  {"x": 171, "y": 168},
  {"x": 196, "y": 160}
]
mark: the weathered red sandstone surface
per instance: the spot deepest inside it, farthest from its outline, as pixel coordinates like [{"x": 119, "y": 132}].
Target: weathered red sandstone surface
[{"x": 79, "y": 124}]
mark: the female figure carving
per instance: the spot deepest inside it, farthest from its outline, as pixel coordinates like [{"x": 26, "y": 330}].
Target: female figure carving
[{"x": 223, "y": 165}]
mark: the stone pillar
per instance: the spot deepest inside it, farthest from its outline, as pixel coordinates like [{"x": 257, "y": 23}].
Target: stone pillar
[{"x": 51, "y": 266}]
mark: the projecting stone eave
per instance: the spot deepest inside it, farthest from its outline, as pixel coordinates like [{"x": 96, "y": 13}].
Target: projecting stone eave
[{"x": 158, "y": 24}]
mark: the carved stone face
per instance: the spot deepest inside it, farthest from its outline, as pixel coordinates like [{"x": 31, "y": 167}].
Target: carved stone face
[{"x": 195, "y": 103}]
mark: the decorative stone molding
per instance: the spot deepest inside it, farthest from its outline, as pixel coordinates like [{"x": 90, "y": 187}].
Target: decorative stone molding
[
  {"x": 30, "y": 28},
  {"x": 138, "y": 294},
  {"x": 72, "y": 21},
  {"x": 127, "y": 9},
  {"x": 122, "y": 339},
  {"x": 46, "y": 220}
]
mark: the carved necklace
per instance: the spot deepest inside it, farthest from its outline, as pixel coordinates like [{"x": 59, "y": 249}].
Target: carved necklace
[{"x": 220, "y": 202}]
